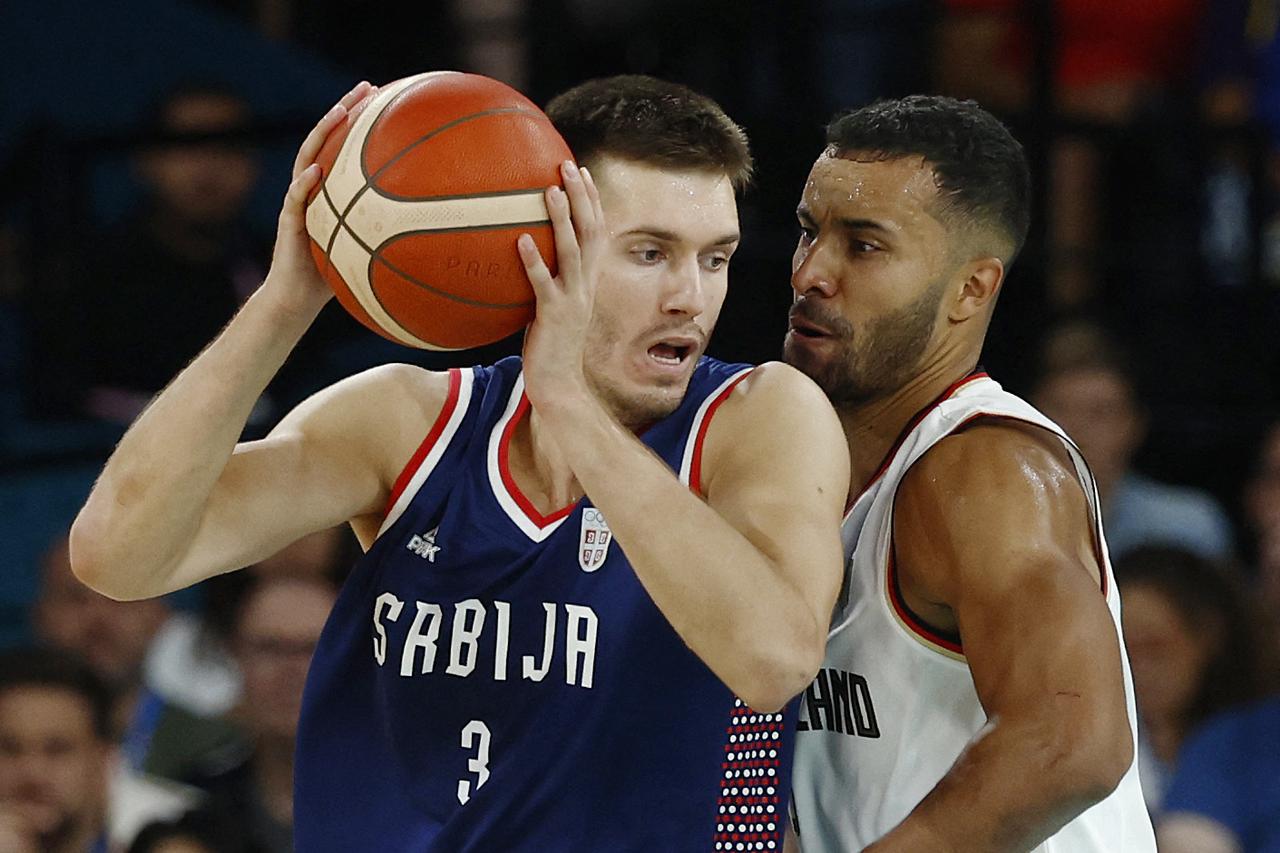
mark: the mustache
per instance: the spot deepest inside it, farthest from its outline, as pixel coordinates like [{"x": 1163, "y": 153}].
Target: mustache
[
  {"x": 811, "y": 311},
  {"x": 682, "y": 329}
]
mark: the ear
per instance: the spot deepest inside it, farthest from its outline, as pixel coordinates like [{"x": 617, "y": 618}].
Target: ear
[{"x": 980, "y": 281}]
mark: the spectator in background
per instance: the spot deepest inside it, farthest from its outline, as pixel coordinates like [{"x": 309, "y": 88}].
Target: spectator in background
[
  {"x": 1195, "y": 646},
  {"x": 275, "y": 629},
  {"x": 198, "y": 831},
  {"x": 1115, "y": 62},
  {"x": 60, "y": 789},
  {"x": 143, "y": 294},
  {"x": 116, "y": 638},
  {"x": 1086, "y": 387},
  {"x": 1224, "y": 796}
]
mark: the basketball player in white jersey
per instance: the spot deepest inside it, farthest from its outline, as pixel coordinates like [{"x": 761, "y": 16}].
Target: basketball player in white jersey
[{"x": 976, "y": 693}]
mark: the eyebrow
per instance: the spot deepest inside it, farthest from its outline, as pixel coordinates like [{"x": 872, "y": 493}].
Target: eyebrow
[
  {"x": 803, "y": 213},
  {"x": 672, "y": 237}
]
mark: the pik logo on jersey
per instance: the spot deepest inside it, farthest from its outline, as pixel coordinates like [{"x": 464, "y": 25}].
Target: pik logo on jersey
[
  {"x": 593, "y": 540},
  {"x": 425, "y": 545}
]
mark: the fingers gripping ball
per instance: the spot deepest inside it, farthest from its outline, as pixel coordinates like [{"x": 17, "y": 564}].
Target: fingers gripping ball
[{"x": 426, "y": 188}]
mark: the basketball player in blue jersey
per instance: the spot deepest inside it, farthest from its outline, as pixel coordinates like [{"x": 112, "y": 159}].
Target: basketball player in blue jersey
[
  {"x": 581, "y": 564},
  {"x": 976, "y": 694}
]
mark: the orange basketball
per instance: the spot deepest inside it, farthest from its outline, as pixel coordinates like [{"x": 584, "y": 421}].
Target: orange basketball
[{"x": 426, "y": 188}]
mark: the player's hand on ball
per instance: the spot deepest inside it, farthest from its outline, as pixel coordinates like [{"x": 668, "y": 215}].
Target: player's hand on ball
[
  {"x": 554, "y": 344},
  {"x": 293, "y": 276}
]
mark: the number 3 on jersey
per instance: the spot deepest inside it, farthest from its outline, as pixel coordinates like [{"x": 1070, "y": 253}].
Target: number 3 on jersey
[{"x": 475, "y": 735}]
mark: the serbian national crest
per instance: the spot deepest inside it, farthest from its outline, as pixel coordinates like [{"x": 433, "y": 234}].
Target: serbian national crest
[{"x": 593, "y": 540}]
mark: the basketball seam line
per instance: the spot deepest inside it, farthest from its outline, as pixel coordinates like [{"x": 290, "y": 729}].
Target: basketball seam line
[
  {"x": 376, "y": 255},
  {"x": 369, "y": 179}
]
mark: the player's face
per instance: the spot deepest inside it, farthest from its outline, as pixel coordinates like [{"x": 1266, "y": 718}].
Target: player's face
[
  {"x": 53, "y": 769},
  {"x": 869, "y": 273},
  {"x": 663, "y": 279}
]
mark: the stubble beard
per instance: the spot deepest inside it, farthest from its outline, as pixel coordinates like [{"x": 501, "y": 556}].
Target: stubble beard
[
  {"x": 633, "y": 409},
  {"x": 875, "y": 364}
]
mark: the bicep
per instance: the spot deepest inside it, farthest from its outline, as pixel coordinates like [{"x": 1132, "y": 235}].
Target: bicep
[
  {"x": 1042, "y": 640},
  {"x": 998, "y": 527},
  {"x": 328, "y": 462},
  {"x": 780, "y": 477}
]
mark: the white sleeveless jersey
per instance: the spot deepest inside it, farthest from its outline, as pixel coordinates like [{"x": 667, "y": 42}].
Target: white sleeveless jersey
[{"x": 894, "y": 704}]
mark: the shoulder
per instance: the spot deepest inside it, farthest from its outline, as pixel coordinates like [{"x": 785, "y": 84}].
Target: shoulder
[
  {"x": 775, "y": 389},
  {"x": 992, "y": 504},
  {"x": 389, "y": 391},
  {"x": 779, "y": 404},
  {"x": 379, "y": 415},
  {"x": 777, "y": 416},
  {"x": 993, "y": 457}
]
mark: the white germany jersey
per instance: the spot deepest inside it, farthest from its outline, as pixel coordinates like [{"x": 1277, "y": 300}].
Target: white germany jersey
[{"x": 894, "y": 703}]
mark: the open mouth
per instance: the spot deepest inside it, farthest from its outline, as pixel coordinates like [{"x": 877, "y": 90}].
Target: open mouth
[
  {"x": 673, "y": 354},
  {"x": 805, "y": 329}
]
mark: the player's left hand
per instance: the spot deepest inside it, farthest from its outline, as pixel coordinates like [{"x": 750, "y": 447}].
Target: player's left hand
[{"x": 554, "y": 344}]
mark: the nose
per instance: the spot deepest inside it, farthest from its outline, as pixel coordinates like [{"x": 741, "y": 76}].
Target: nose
[
  {"x": 685, "y": 292},
  {"x": 811, "y": 270}
]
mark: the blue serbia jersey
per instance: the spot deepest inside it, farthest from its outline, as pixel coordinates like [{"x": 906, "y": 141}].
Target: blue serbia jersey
[{"x": 492, "y": 679}]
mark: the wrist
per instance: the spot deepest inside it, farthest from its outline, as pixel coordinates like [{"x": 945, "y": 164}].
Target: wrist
[{"x": 290, "y": 309}]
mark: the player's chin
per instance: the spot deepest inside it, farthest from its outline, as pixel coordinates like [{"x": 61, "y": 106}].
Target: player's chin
[{"x": 801, "y": 356}]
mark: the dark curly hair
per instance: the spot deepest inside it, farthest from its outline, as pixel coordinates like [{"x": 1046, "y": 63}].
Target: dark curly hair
[
  {"x": 651, "y": 121},
  {"x": 979, "y": 169}
]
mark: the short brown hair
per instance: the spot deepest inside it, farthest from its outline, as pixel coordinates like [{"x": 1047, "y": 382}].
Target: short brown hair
[{"x": 651, "y": 121}]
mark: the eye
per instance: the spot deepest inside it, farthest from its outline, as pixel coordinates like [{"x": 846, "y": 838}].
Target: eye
[
  {"x": 716, "y": 262},
  {"x": 862, "y": 247},
  {"x": 647, "y": 255},
  {"x": 807, "y": 234}
]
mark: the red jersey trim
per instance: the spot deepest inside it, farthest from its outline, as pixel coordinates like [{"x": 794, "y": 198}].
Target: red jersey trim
[
  {"x": 695, "y": 466},
  {"x": 910, "y": 620},
  {"x": 446, "y": 411},
  {"x": 911, "y": 425},
  {"x": 504, "y": 471}
]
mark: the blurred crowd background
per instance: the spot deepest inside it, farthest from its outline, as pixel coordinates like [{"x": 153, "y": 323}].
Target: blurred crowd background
[{"x": 144, "y": 147}]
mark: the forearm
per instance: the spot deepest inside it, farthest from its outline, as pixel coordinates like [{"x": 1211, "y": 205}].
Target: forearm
[
  {"x": 1017, "y": 784},
  {"x": 720, "y": 592},
  {"x": 147, "y": 505}
]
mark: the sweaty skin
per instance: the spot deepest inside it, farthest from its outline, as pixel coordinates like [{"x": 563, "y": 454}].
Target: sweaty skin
[{"x": 993, "y": 535}]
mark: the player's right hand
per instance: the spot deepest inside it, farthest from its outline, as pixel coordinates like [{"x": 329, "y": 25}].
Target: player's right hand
[{"x": 293, "y": 278}]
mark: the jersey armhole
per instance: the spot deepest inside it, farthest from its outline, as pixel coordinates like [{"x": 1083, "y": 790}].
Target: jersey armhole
[
  {"x": 691, "y": 465},
  {"x": 425, "y": 458}
]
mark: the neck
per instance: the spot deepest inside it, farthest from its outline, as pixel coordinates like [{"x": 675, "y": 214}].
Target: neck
[
  {"x": 871, "y": 428},
  {"x": 540, "y": 465},
  {"x": 273, "y": 771}
]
